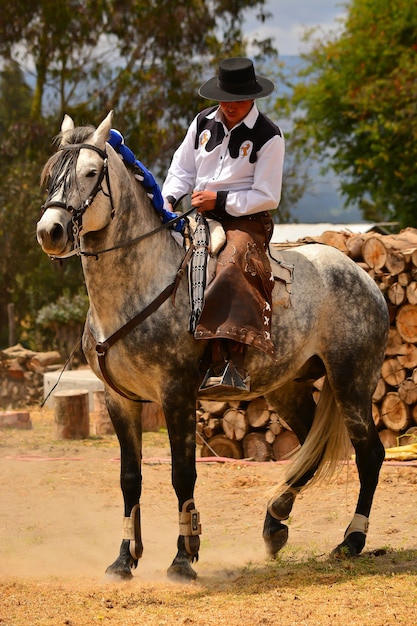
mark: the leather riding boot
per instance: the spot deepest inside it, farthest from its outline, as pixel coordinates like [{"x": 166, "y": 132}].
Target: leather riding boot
[{"x": 227, "y": 368}]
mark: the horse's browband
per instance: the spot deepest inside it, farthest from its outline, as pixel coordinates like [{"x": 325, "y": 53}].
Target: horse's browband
[{"x": 87, "y": 146}]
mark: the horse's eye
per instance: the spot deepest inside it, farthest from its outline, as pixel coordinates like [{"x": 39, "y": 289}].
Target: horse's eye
[{"x": 91, "y": 174}]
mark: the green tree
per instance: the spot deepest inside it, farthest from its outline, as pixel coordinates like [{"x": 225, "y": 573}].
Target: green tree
[
  {"x": 356, "y": 104},
  {"x": 28, "y": 279},
  {"x": 145, "y": 60},
  {"x": 142, "y": 59}
]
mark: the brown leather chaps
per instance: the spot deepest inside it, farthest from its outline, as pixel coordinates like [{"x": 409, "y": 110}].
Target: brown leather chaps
[{"x": 238, "y": 301}]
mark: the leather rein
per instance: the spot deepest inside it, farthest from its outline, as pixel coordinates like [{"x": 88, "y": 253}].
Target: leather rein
[{"x": 102, "y": 347}]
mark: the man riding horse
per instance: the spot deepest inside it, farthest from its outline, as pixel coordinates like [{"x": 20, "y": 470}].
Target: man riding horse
[{"x": 231, "y": 161}]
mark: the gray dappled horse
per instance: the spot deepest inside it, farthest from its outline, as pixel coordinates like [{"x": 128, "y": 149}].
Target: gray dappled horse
[{"x": 136, "y": 339}]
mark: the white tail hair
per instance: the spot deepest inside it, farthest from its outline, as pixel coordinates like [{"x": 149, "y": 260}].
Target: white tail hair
[{"x": 326, "y": 445}]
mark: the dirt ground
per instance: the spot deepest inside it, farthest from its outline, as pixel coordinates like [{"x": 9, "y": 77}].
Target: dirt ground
[{"x": 61, "y": 526}]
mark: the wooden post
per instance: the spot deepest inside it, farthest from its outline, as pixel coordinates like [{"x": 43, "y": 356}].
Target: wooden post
[{"x": 71, "y": 414}]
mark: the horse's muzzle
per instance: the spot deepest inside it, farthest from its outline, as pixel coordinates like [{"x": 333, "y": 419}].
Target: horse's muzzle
[{"x": 54, "y": 234}]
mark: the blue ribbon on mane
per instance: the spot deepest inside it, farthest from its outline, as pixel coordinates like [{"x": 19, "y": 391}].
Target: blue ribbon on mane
[{"x": 116, "y": 140}]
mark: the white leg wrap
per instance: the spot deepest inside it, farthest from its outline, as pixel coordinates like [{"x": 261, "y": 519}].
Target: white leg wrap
[
  {"x": 359, "y": 524},
  {"x": 131, "y": 531},
  {"x": 190, "y": 527},
  {"x": 128, "y": 528},
  {"x": 189, "y": 520}
]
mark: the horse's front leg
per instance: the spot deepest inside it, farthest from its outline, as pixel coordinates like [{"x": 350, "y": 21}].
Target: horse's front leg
[
  {"x": 129, "y": 433},
  {"x": 181, "y": 428}
]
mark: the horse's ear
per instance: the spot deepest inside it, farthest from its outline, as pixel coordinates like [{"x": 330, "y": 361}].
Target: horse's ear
[
  {"x": 102, "y": 133},
  {"x": 66, "y": 126}
]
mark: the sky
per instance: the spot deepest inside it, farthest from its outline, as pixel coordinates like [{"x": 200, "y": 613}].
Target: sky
[{"x": 290, "y": 18}]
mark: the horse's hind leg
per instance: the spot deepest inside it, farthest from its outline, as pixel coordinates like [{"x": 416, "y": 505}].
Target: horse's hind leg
[
  {"x": 370, "y": 454},
  {"x": 295, "y": 404},
  {"x": 129, "y": 433}
]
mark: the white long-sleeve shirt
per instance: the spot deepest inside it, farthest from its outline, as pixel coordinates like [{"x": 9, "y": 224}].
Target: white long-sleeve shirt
[{"x": 243, "y": 165}]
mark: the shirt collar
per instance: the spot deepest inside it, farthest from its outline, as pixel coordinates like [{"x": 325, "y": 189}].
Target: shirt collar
[{"x": 249, "y": 120}]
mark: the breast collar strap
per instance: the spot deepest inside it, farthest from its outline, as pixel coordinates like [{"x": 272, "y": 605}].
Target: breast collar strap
[{"x": 102, "y": 347}]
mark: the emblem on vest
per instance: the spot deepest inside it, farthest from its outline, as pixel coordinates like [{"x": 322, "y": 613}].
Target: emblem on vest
[
  {"x": 245, "y": 149},
  {"x": 204, "y": 137}
]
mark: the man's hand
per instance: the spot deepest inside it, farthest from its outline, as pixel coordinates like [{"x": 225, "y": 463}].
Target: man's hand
[{"x": 203, "y": 200}]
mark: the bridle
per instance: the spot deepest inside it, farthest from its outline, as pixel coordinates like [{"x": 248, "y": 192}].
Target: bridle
[{"x": 77, "y": 214}]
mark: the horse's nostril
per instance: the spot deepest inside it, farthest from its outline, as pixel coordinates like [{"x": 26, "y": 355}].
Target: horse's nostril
[{"x": 57, "y": 233}]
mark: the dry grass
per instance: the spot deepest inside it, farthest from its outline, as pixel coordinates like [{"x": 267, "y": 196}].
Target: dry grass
[{"x": 60, "y": 524}]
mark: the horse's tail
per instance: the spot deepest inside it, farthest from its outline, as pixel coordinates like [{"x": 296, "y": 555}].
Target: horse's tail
[{"x": 326, "y": 445}]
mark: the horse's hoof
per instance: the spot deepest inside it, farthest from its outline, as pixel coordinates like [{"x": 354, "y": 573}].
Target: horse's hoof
[
  {"x": 181, "y": 572},
  {"x": 275, "y": 541},
  {"x": 352, "y": 546},
  {"x": 119, "y": 570}
]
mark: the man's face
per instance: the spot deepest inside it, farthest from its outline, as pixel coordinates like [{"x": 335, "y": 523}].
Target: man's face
[{"x": 234, "y": 112}]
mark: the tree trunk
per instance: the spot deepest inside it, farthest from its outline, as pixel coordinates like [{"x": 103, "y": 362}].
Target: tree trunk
[{"x": 72, "y": 414}]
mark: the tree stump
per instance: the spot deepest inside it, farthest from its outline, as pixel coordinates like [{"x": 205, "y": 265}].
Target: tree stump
[
  {"x": 102, "y": 424},
  {"x": 72, "y": 414}
]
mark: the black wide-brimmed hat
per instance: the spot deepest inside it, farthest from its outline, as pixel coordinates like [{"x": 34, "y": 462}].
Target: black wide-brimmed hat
[{"x": 236, "y": 81}]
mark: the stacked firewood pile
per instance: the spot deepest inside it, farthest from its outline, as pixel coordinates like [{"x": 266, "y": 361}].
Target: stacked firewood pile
[
  {"x": 21, "y": 375},
  {"x": 391, "y": 260},
  {"x": 254, "y": 430},
  {"x": 243, "y": 430}
]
